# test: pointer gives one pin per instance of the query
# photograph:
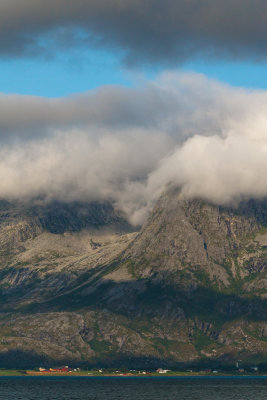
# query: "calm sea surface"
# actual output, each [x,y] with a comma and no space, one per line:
[163,388]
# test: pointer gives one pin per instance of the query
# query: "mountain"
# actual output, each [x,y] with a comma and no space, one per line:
[78,285]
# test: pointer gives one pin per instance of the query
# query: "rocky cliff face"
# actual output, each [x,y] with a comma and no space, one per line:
[78,285]
[224,243]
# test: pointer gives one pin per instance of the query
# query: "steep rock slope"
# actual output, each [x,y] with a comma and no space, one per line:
[225,244]
[190,287]
[44,248]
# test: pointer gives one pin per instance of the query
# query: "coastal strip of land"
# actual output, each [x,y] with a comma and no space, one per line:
[96,373]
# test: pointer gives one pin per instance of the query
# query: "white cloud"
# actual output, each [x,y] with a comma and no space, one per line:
[126,145]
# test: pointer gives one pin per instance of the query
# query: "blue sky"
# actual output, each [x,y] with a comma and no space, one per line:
[59,47]
[74,72]
[63,75]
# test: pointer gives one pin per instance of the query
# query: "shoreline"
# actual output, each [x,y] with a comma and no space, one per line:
[85,374]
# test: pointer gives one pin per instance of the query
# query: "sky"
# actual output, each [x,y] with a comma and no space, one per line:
[56,48]
[118,99]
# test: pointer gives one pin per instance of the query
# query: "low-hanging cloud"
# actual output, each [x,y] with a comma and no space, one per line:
[128,145]
[144,30]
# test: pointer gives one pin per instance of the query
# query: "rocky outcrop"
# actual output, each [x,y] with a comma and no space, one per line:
[196,237]
[77,285]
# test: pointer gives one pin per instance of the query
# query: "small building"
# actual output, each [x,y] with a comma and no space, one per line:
[60,369]
[162,371]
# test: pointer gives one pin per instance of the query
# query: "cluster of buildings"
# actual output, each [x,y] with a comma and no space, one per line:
[59,369]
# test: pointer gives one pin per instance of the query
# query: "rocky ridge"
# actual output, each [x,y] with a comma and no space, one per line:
[78,285]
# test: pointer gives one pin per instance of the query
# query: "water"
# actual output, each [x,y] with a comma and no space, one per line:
[163,388]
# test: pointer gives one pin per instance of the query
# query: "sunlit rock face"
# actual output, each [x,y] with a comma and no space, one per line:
[79,284]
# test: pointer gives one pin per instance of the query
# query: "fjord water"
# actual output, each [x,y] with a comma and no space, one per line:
[163,388]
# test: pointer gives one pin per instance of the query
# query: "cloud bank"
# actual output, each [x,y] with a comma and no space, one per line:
[128,145]
[144,30]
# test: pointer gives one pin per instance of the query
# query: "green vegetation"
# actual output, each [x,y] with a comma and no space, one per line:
[99,346]
[12,372]
[165,345]
[201,341]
